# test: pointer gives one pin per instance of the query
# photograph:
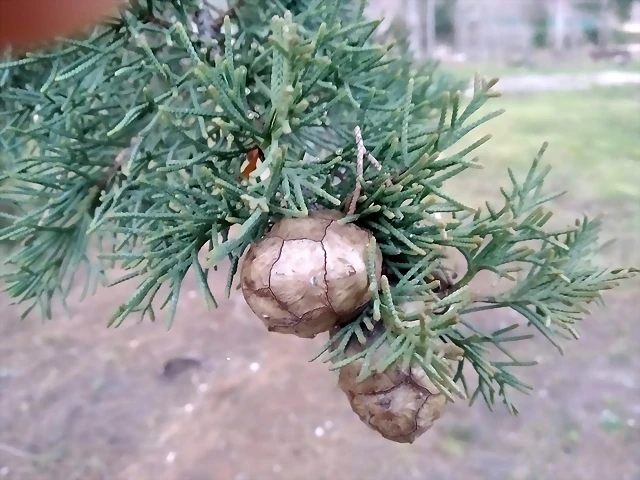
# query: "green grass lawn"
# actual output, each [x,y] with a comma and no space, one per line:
[594,142]
[468,69]
[594,152]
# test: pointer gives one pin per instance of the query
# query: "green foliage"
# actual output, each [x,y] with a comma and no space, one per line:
[5,206]
[445,20]
[623,8]
[541,27]
[133,141]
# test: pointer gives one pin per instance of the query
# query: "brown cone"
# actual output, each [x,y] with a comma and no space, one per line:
[399,404]
[308,274]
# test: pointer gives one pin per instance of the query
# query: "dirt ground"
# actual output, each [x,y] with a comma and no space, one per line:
[80,401]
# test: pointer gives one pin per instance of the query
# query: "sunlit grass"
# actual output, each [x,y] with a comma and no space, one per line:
[468,69]
[594,152]
[594,141]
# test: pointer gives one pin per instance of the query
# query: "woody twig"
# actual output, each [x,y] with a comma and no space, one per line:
[361,154]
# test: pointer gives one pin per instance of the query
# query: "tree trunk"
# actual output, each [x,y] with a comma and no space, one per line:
[604,35]
[560,14]
[427,12]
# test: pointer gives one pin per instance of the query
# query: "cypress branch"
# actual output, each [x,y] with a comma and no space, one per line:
[132,143]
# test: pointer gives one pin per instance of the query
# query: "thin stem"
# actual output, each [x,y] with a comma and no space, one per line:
[481,308]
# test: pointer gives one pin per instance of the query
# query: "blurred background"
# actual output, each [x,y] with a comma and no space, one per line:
[218,398]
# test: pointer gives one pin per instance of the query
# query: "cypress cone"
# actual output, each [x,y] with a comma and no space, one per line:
[308,274]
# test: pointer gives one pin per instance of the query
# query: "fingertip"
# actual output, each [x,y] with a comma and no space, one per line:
[26,24]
